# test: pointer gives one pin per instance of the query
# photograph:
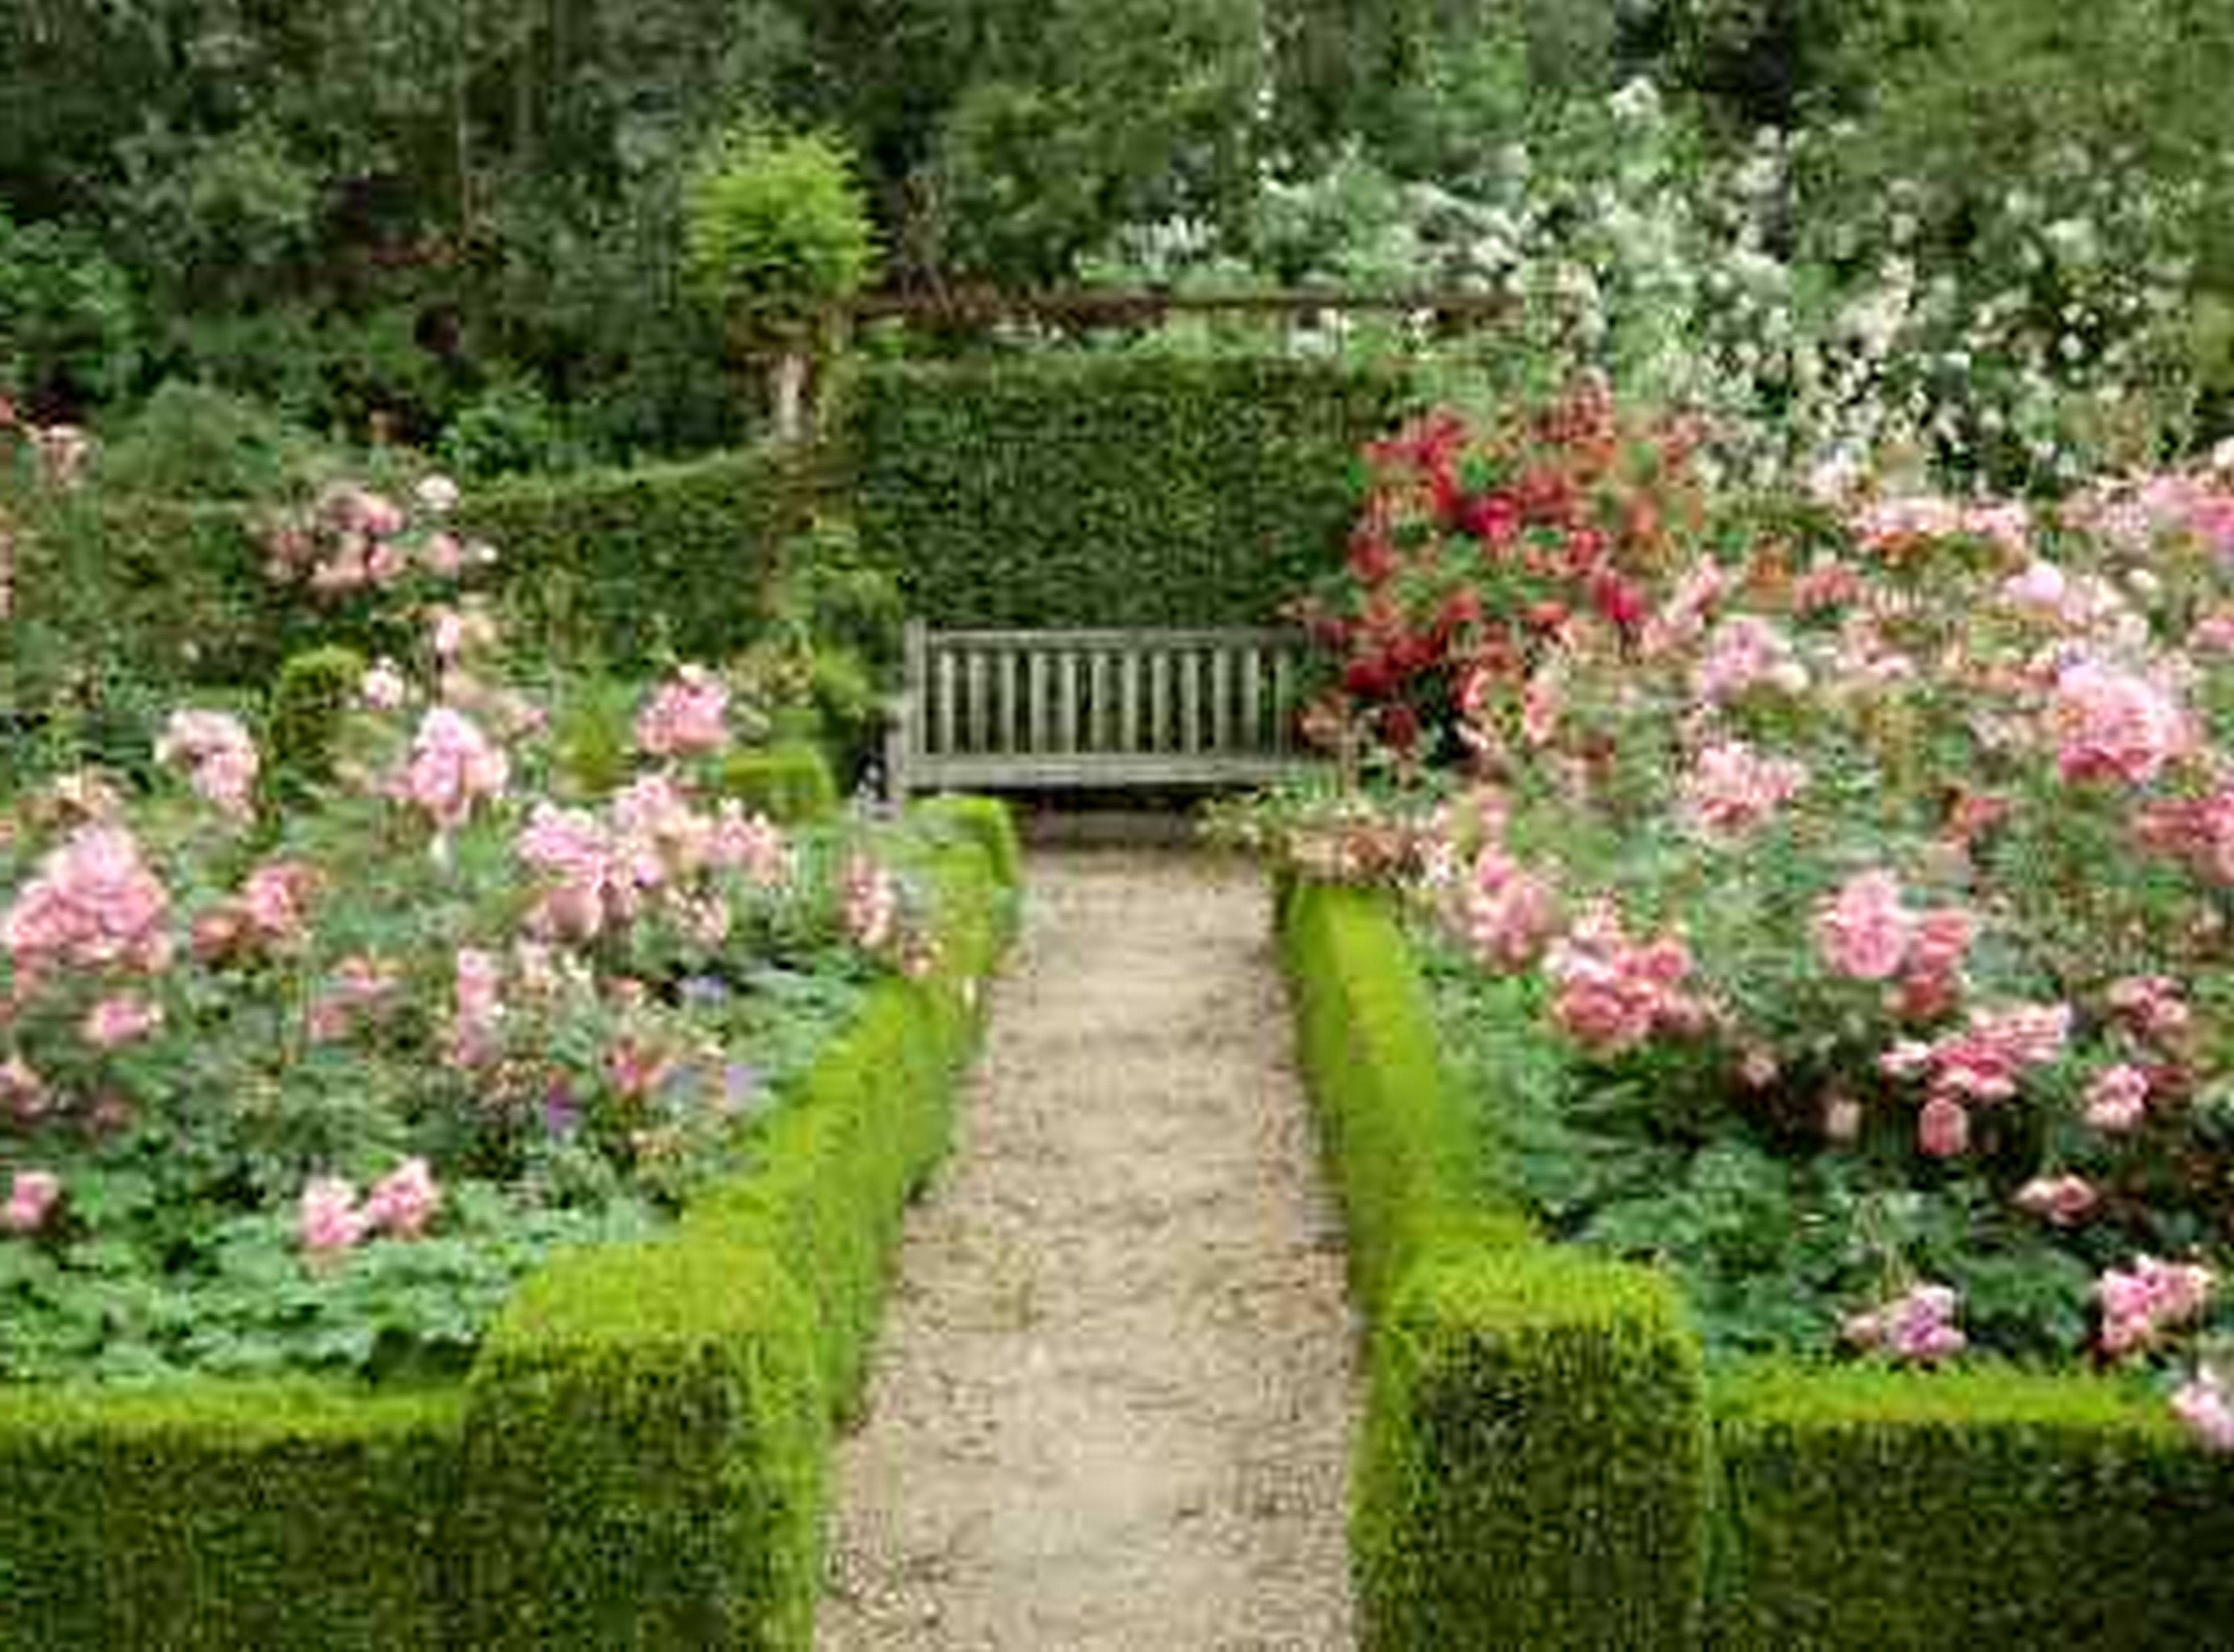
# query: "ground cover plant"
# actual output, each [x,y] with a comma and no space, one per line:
[1837,893]
[312,1045]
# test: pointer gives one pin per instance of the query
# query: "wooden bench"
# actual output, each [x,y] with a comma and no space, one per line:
[990,710]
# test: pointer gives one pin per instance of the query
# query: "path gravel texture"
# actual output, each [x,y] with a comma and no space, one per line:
[1114,1392]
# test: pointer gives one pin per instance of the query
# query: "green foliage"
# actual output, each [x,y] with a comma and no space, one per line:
[214,1517]
[651,1425]
[1098,113]
[786,783]
[2085,1519]
[508,428]
[776,230]
[630,567]
[1109,491]
[1533,1469]
[984,820]
[1539,1441]
[645,1457]
[315,690]
[195,441]
[69,322]
[1404,1155]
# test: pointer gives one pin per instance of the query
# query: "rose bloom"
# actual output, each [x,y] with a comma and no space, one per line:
[1864,932]
[31,1199]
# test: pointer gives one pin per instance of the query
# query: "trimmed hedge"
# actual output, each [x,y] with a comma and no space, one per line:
[636,1460]
[227,1516]
[1968,1509]
[1098,490]
[1541,1461]
[1532,1466]
[626,566]
[617,567]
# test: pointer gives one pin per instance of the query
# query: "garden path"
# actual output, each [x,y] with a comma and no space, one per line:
[1113,1393]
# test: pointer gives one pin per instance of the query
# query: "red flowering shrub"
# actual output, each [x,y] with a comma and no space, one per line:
[1475,548]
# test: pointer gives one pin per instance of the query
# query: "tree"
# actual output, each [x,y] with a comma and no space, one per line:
[775,236]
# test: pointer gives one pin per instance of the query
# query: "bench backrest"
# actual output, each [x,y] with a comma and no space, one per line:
[988,709]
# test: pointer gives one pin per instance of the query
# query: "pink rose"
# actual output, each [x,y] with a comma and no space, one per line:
[330,1221]
[31,1199]
[403,1201]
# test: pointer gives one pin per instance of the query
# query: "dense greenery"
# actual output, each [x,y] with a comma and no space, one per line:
[468,230]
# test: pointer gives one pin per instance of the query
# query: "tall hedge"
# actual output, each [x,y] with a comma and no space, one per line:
[628,563]
[1110,490]
[618,567]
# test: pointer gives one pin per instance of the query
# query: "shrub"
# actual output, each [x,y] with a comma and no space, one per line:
[633,568]
[645,1457]
[215,1518]
[315,691]
[1108,490]
[1863,1508]
[786,783]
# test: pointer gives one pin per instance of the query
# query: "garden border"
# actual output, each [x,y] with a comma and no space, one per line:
[1542,1462]
[637,1457]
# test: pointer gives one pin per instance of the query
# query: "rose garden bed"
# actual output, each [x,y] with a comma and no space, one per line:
[1548,1459]
[451,1169]
[1824,903]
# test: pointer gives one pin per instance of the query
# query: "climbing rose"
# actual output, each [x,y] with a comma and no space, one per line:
[2117,1098]
[2203,1404]
[2111,724]
[2139,1301]
[31,1199]
[2062,1200]
[219,757]
[1743,652]
[93,904]
[119,1018]
[572,849]
[275,898]
[1942,1127]
[382,687]
[1506,911]
[751,844]
[1732,789]
[479,1012]
[1611,994]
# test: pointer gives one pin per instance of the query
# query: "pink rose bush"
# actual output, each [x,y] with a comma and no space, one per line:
[393,1047]
[1891,852]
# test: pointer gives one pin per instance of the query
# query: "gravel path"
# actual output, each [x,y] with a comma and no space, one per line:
[1113,1394]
